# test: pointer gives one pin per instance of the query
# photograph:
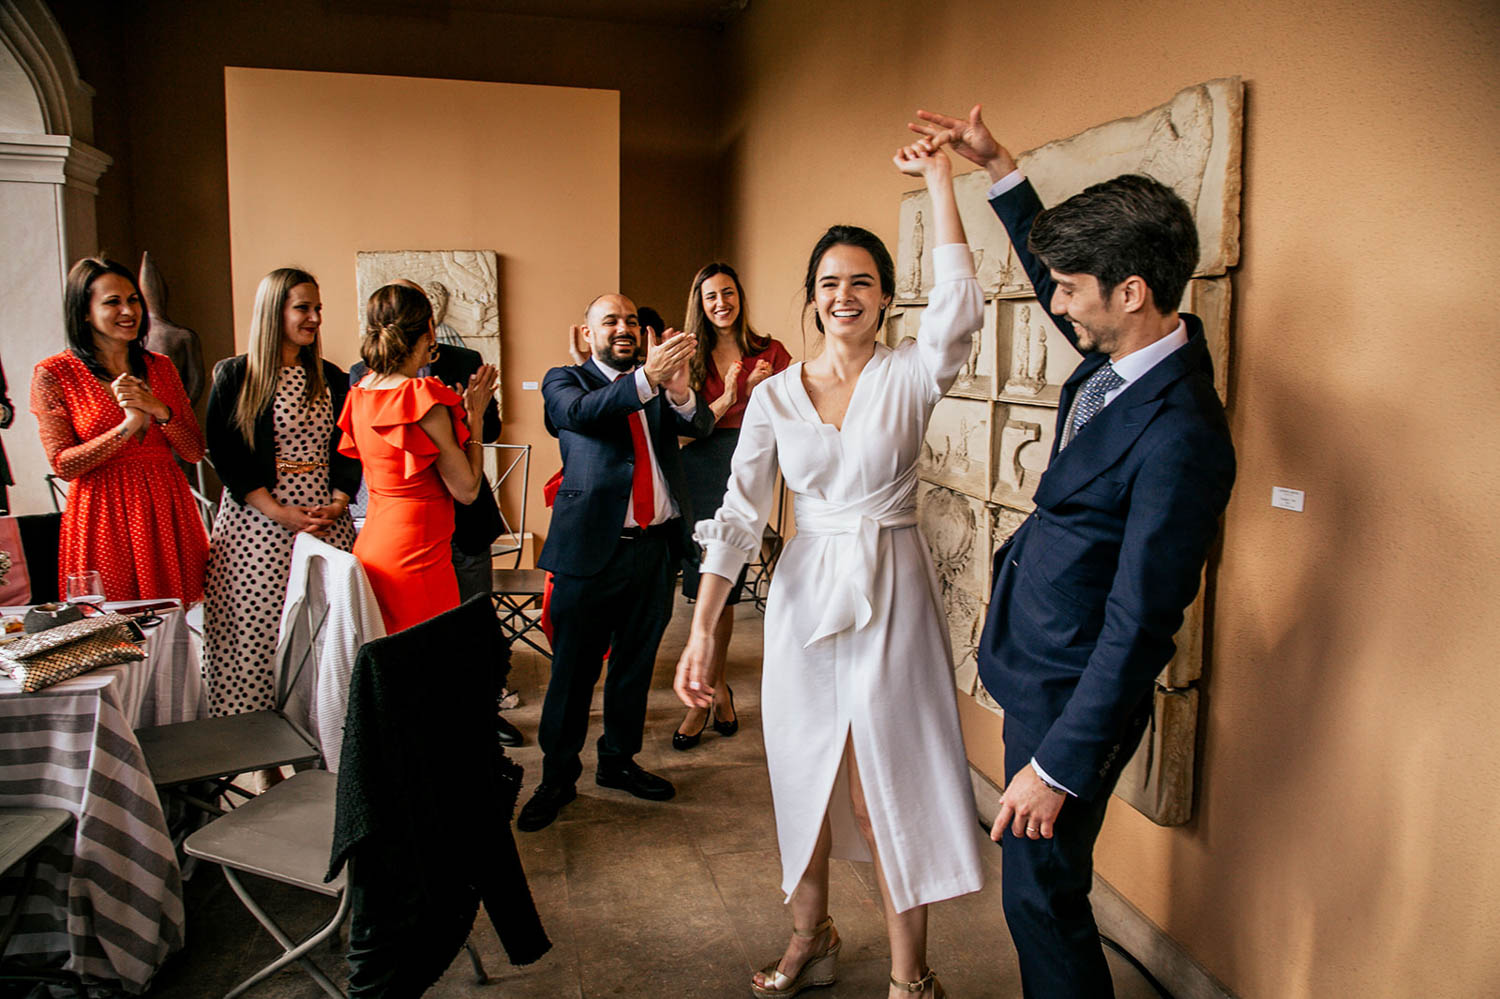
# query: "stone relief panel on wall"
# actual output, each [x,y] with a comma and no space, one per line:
[956,527]
[1191,143]
[463,286]
[956,450]
[1023,441]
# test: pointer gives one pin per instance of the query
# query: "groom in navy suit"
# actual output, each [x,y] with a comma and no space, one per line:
[620,525]
[1090,589]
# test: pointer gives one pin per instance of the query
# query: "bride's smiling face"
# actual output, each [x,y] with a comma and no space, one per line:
[847,293]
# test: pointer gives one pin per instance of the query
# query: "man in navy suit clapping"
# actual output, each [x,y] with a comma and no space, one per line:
[1089,591]
[620,524]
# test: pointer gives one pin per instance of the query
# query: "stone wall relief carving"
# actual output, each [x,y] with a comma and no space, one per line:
[463,284]
[956,527]
[1023,443]
[956,450]
[976,379]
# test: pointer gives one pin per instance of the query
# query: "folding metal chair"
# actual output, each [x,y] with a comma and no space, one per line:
[519,592]
[22,832]
[284,835]
[183,756]
[510,460]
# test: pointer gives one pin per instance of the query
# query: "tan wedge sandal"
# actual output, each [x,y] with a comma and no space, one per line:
[818,970]
[919,987]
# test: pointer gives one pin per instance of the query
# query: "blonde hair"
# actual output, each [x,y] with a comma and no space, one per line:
[263,358]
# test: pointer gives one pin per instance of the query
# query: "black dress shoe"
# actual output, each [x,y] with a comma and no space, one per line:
[544,805]
[727,728]
[508,734]
[629,777]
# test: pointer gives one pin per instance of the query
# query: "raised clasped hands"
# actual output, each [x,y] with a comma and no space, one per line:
[969,137]
[695,668]
[923,159]
[132,393]
[667,359]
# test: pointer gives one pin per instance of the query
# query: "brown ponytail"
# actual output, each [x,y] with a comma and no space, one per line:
[396,319]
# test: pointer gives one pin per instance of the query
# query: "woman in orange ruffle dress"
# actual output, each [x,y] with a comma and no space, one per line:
[419,442]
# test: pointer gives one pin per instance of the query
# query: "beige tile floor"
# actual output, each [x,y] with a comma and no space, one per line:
[674,899]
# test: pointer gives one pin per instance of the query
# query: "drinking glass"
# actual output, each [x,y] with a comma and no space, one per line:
[86,588]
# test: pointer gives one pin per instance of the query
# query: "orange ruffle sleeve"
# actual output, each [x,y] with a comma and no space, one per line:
[394,414]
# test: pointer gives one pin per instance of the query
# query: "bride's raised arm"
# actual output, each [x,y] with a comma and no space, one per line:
[955,306]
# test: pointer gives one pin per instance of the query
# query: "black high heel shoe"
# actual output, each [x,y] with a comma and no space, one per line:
[726,728]
[682,742]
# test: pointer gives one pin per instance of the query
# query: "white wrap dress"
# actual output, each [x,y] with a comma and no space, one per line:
[856,648]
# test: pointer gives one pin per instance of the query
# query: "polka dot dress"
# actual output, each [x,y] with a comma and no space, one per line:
[250,558]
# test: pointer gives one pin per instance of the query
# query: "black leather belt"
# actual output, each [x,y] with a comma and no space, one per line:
[665,529]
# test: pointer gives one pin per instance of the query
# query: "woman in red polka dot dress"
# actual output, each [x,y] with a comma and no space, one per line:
[111,414]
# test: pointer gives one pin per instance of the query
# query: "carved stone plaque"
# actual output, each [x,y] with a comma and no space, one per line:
[462,284]
[956,450]
[1209,299]
[1023,440]
[1191,143]
[1158,780]
[976,379]
[1035,357]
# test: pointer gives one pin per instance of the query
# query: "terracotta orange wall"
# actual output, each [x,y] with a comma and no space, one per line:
[158,67]
[1350,798]
[395,163]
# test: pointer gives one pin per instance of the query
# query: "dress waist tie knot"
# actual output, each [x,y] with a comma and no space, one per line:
[847,570]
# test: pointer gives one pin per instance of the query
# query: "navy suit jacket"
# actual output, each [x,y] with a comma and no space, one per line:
[589,416]
[1091,588]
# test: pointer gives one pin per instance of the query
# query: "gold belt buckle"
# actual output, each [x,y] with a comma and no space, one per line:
[299,467]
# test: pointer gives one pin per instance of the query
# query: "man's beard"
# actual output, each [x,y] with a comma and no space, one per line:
[622,364]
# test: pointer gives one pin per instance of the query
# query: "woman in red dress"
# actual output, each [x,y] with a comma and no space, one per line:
[111,414]
[420,453]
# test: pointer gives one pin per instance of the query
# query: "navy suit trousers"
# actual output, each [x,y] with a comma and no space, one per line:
[1045,883]
[624,609]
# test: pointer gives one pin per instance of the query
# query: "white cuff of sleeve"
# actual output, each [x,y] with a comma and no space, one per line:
[720,559]
[1009,182]
[952,262]
[1054,785]
[643,389]
[687,409]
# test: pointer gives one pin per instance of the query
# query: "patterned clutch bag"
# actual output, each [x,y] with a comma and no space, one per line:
[61,653]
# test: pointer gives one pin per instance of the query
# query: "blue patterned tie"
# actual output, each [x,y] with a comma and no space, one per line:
[1090,400]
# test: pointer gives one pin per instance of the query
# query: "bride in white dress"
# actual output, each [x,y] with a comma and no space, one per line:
[860,716]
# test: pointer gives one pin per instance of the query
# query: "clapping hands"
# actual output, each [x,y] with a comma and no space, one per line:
[667,360]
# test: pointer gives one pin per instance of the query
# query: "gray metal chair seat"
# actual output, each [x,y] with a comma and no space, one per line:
[283,835]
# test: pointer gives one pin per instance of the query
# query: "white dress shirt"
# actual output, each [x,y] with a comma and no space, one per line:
[665,508]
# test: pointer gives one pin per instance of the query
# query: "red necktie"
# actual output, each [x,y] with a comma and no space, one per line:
[642,492]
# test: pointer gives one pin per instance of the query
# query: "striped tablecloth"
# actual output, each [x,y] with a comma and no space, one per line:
[108,901]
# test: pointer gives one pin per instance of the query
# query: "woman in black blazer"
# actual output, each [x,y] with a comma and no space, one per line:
[273,441]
